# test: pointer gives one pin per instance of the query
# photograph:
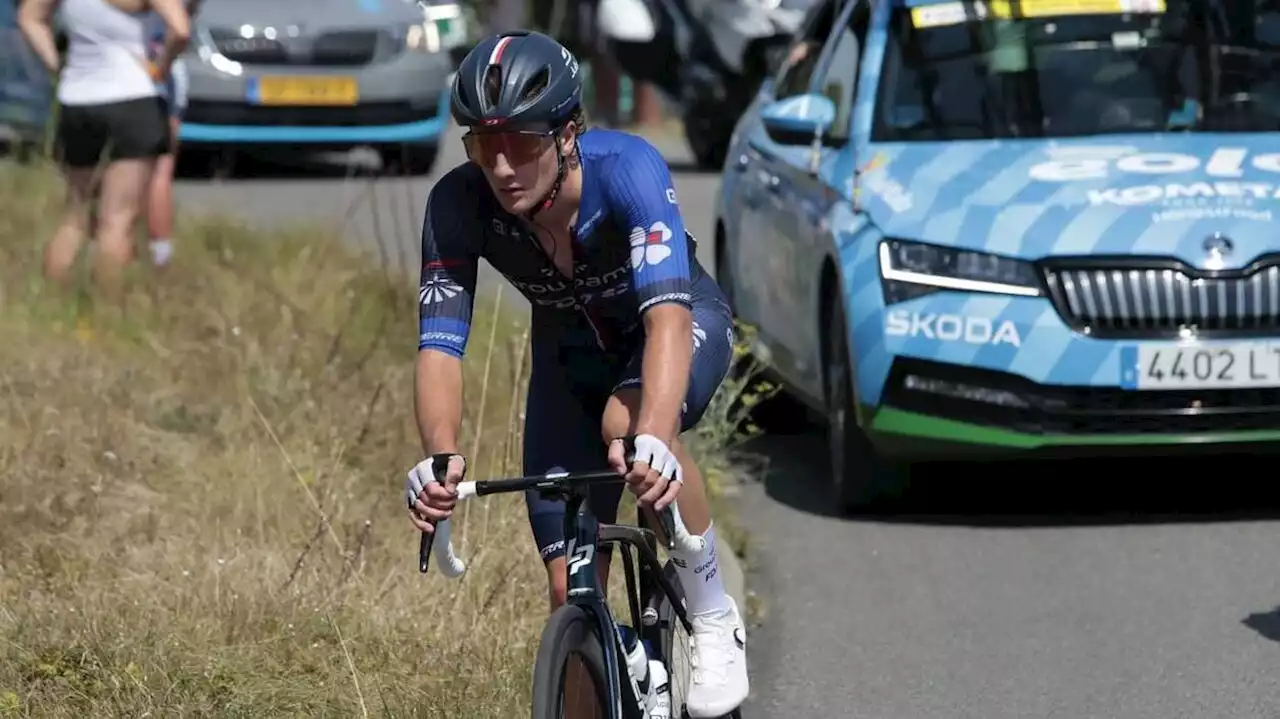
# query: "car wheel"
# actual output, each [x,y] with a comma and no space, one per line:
[860,477]
[410,159]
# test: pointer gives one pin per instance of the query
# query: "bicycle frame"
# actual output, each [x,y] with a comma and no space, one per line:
[585,534]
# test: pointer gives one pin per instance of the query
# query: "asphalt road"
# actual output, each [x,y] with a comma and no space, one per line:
[1095,590]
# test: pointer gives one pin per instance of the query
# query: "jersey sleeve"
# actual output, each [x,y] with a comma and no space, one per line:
[642,195]
[449,263]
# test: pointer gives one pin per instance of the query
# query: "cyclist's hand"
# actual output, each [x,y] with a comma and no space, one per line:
[655,476]
[430,501]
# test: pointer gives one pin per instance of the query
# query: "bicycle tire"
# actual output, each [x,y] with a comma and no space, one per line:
[570,631]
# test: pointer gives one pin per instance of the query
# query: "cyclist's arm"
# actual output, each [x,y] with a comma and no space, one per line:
[445,300]
[643,193]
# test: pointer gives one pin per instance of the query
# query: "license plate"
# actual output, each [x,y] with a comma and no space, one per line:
[1226,366]
[282,90]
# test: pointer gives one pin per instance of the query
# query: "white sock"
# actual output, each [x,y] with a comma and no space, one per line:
[700,576]
[161,251]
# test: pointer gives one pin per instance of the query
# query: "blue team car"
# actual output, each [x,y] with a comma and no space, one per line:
[994,229]
[332,74]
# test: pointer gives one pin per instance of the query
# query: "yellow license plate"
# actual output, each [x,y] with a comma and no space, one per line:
[276,90]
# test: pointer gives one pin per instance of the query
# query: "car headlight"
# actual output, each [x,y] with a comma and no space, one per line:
[911,269]
[443,27]
[422,37]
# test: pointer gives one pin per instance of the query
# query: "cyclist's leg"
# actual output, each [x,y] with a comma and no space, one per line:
[560,432]
[712,356]
[719,683]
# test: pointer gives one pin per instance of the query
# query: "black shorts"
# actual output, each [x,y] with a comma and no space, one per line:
[566,403]
[132,129]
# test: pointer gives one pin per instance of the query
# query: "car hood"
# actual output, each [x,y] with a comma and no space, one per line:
[308,14]
[1119,195]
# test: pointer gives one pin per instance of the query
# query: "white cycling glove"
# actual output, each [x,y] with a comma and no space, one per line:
[423,474]
[658,456]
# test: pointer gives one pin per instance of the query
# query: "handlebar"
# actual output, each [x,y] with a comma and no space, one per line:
[678,536]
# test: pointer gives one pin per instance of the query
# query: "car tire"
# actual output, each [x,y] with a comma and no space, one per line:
[410,159]
[861,478]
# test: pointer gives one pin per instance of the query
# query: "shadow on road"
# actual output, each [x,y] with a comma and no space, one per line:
[1087,492]
[1267,624]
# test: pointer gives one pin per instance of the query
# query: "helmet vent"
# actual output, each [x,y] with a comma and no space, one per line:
[492,86]
[535,87]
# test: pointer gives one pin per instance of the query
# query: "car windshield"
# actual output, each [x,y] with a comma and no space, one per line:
[1045,68]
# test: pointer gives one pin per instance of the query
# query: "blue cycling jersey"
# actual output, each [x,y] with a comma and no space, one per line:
[631,251]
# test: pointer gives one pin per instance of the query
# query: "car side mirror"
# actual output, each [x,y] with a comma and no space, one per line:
[800,120]
[797,120]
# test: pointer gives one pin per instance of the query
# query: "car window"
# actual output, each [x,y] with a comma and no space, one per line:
[840,81]
[801,60]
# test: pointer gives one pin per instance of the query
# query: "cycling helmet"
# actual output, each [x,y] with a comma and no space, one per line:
[519,77]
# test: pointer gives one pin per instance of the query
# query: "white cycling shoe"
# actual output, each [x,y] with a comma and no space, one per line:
[718,664]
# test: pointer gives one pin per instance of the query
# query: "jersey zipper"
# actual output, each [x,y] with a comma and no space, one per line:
[573,282]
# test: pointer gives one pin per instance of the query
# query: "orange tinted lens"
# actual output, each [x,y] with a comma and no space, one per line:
[517,147]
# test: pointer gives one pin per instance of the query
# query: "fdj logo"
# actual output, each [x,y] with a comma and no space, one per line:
[951,328]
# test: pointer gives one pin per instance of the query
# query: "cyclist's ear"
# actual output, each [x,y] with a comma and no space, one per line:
[568,138]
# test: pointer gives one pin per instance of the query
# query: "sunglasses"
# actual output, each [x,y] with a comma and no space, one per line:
[518,146]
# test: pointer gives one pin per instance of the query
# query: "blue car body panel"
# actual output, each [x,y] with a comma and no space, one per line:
[26,92]
[1144,195]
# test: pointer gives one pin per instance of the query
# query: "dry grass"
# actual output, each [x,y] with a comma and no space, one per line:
[200,499]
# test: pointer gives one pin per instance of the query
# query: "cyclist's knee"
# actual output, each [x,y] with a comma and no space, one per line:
[557,582]
[620,412]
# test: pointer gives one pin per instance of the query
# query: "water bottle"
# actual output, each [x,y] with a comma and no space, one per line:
[650,674]
[658,703]
[637,657]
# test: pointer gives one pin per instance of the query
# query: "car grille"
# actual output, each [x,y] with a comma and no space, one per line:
[372,113]
[1129,300]
[338,48]
[1000,399]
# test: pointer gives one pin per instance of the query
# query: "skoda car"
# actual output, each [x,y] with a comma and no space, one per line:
[330,74]
[994,229]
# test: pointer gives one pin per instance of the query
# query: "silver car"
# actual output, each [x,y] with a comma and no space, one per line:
[322,74]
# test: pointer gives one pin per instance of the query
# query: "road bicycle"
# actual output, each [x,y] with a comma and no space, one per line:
[584,627]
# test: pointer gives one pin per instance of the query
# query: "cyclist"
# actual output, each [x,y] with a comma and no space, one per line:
[631,338]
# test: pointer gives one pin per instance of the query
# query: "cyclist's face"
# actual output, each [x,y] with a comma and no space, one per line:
[520,165]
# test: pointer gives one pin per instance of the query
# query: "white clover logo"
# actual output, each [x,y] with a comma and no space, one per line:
[649,247]
[438,289]
[699,336]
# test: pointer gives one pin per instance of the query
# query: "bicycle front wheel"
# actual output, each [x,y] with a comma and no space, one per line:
[569,674]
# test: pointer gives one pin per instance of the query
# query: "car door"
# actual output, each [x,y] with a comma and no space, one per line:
[25,89]
[808,192]
[762,259]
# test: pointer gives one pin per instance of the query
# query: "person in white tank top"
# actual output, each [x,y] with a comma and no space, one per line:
[111,111]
